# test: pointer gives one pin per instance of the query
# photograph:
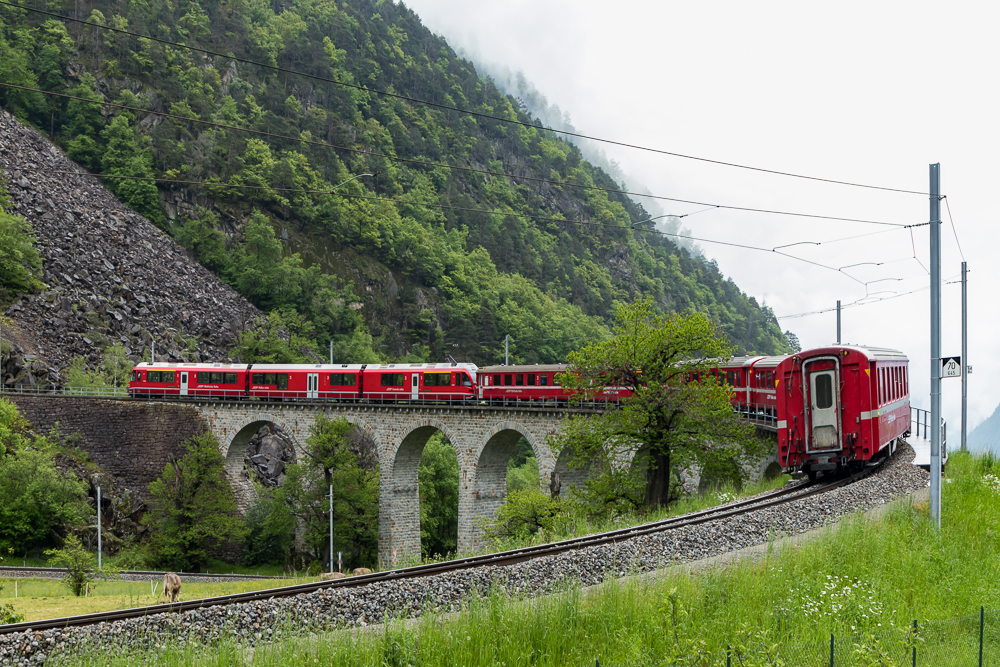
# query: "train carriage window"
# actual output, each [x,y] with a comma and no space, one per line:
[508,379]
[543,379]
[342,379]
[531,379]
[160,376]
[392,379]
[770,380]
[519,379]
[229,378]
[466,380]
[282,381]
[824,392]
[437,379]
[496,380]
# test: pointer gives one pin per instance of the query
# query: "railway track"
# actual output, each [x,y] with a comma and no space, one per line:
[48,572]
[772,499]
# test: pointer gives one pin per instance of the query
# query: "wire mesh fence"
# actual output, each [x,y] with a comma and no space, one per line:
[963,641]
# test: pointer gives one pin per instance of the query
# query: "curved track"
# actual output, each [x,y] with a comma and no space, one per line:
[774,498]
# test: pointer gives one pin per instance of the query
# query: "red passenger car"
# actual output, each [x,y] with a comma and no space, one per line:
[414,382]
[166,379]
[510,384]
[841,406]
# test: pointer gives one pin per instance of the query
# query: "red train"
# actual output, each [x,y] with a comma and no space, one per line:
[344,382]
[833,407]
[841,406]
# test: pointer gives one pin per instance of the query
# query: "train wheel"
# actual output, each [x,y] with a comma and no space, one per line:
[812,475]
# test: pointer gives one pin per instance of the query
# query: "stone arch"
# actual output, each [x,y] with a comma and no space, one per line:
[573,468]
[399,491]
[488,487]
[234,451]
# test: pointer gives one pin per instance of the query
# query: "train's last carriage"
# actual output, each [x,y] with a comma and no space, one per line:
[510,384]
[841,406]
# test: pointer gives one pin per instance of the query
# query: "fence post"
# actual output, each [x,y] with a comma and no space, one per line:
[729,656]
[831,649]
[982,618]
[914,642]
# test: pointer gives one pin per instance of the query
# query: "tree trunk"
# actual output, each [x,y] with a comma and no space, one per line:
[658,480]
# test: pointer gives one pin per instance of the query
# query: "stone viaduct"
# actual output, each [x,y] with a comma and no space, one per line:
[484,438]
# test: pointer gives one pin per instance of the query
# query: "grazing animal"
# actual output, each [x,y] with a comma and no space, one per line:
[171,587]
[360,570]
[332,575]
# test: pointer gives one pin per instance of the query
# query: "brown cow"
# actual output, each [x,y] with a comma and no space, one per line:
[171,587]
[360,570]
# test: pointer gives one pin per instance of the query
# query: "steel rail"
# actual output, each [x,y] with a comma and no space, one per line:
[142,573]
[511,557]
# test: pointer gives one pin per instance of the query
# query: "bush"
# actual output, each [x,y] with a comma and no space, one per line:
[19,261]
[79,564]
[525,512]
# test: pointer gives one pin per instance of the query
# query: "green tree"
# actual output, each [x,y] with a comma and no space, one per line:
[671,418]
[284,337]
[208,243]
[331,461]
[13,428]
[438,481]
[128,155]
[79,564]
[192,510]
[37,500]
[20,264]
[270,528]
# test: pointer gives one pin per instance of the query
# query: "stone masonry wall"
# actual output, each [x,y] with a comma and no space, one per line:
[130,440]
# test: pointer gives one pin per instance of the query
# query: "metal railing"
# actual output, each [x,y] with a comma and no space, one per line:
[921,420]
[298,396]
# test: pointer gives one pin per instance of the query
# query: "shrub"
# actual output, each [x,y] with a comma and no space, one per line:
[79,564]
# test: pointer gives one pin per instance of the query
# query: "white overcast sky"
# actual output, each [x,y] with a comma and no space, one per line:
[856,91]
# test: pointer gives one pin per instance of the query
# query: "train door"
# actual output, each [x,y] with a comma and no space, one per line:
[312,385]
[415,387]
[184,383]
[823,403]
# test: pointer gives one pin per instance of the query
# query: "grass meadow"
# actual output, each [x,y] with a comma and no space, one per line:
[862,581]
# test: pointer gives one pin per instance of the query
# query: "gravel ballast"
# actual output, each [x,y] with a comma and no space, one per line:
[261,621]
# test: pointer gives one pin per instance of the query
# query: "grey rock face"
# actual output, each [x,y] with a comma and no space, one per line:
[112,276]
[269,452]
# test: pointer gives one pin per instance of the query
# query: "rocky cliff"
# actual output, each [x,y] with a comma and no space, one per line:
[111,275]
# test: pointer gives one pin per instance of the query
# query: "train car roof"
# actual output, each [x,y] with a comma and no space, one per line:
[869,351]
[419,367]
[768,362]
[537,368]
[193,366]
[306,367]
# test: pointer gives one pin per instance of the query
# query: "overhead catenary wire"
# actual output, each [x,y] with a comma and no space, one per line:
[953,230]
[443,207]
[455,109]
[369,153]
[863,301]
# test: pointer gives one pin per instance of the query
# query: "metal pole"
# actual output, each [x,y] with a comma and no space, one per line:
[331,528]
[965,354]
[506,350]
[98,528]
[935,225]
[982,618]
[838,322]
[152,352]
[914,642]
[831,649]
[331,353]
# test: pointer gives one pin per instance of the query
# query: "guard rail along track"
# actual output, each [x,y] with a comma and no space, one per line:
[781,496]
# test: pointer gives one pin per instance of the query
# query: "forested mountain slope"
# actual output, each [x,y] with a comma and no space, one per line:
[419,255]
